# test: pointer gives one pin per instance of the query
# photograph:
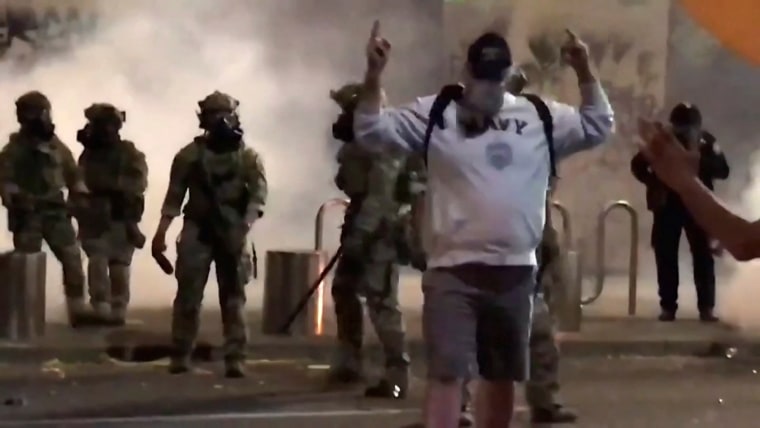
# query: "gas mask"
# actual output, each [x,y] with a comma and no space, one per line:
[343,128]
[224,129]
[36,123]
[98,133]
[689,136]
[484,97]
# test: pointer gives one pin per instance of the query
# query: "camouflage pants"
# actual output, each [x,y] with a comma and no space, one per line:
[193,266]
[109,256]
[56,229]
[543,385]
[377,282]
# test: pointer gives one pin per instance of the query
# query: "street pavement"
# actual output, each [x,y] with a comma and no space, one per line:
[624,392]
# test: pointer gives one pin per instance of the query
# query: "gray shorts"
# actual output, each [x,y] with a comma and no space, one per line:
[477,315]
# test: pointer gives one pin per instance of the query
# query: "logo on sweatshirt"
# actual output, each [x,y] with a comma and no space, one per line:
[499,155]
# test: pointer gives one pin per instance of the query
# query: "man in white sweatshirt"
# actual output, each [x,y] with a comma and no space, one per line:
[489,163]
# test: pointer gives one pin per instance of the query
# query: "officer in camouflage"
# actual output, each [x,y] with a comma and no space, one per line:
[379,188]
[116,174]
[227,192]
[542,387]
[35,168]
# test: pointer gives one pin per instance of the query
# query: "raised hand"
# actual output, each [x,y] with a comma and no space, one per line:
[378,50]
[574,52]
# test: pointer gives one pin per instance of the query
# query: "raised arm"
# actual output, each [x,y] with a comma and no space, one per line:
[586,127]
[375,126]
[402,128]
[592,122]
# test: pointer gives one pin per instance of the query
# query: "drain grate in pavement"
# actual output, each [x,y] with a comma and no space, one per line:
[145,353]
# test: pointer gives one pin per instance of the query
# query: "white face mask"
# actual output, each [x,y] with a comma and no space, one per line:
[485,97]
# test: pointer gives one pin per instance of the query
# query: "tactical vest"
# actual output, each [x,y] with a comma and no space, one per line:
[217,186]
[38,167]
[102,168]
[354,164]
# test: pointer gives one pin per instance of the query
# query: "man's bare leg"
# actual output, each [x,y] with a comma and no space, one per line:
[443,401]
[494,404]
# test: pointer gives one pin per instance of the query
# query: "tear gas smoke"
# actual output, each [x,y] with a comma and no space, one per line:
[156,60]
[739,303]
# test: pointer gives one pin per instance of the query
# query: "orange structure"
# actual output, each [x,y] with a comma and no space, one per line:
[732,22]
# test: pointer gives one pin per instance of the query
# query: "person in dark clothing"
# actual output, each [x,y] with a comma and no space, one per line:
[671,216]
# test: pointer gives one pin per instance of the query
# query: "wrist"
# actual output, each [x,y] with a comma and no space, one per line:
[372,80]
[584,74]
[687,185]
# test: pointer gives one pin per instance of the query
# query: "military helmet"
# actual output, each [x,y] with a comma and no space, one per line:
[105,112]
[218,101]
[347,96]
[685,114]
[33,100]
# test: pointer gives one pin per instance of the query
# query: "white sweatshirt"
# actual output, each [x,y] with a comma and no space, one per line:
[486,195]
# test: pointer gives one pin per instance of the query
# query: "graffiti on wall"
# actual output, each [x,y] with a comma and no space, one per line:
[28,27]
[614,55]
[627,42]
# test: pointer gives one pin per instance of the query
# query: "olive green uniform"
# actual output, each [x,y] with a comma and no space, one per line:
[215,230]
[33,177]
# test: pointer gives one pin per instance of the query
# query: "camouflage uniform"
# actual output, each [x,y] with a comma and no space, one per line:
[542,387]
[368,267]
[227,191]
[116,174]
[35,167]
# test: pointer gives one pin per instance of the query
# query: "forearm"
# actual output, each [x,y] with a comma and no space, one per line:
[371,97]
[596,115]
[734,232]
[587,126]
[163,225]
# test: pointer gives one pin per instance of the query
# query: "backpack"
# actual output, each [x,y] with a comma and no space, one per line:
[451,93]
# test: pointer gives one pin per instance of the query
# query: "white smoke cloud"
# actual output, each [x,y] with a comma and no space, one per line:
[738,305]
[156,60]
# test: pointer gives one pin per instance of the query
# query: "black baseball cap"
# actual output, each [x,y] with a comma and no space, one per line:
[489,57]
[685,114]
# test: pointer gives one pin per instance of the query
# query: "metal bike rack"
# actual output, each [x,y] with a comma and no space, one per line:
[567,232]
[633,261]
[319,221]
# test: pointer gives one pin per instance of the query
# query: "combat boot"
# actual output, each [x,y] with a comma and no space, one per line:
[102,311]
[179,364]
[347,368]
[118,315]
[233,369]
[554,414]
[76,310]
[394,385]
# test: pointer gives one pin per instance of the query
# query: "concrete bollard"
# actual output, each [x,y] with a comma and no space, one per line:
[22,296]
[289,275]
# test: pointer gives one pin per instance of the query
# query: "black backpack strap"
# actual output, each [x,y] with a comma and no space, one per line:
[546,117]
[448,94]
